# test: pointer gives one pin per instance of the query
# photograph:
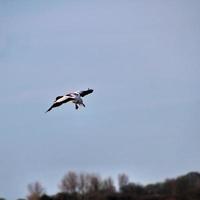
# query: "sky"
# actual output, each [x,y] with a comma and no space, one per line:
[142,58]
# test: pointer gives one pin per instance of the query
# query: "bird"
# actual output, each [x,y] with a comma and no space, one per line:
[74,97]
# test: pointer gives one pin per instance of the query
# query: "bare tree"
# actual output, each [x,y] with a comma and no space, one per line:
[69,183]
[95,182]
[123,180]
[88,182]
[108,185]
[35,191]
[83,182]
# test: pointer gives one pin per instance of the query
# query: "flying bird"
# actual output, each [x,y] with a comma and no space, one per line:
[74,97]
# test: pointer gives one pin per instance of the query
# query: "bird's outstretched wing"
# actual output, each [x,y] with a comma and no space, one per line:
[53,106]
[59,101]
[58,97]
[85,92]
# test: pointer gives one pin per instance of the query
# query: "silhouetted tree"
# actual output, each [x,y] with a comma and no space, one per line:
[95,183]
[83,183]
[108,185]
[87,186]
[123,180]
[35,191]
[169,187]
[69,183]
[45,197]
[134,189]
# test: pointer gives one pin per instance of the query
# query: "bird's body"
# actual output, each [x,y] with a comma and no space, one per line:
[74,97]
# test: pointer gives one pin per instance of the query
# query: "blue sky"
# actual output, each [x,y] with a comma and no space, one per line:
[141,58]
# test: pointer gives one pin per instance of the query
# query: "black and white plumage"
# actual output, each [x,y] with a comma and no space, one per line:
[74,97]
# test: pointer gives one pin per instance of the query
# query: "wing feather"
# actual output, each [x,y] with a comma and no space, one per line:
[58,97]
[64,99]
[85,92]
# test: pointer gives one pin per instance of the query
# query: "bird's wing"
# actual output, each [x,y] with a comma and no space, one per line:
[85,92]
[58,97]
[55,104]
[59,101]
[63,99]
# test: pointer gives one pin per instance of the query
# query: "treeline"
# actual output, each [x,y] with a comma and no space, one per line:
[87,186]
